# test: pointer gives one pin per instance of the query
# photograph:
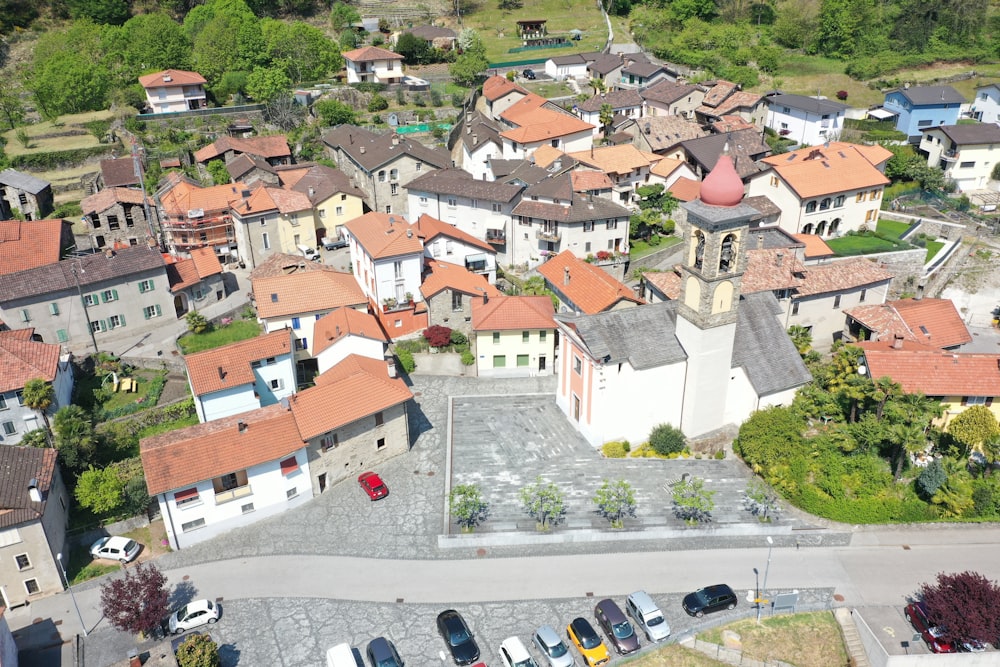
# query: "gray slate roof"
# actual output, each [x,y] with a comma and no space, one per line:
[458,182]
[929,95]
[430,32]
[667,92]
[618,99]
[971,134]
[605,64]
[371,150]
[90,270]
[325,182]
[745,147]
[582,209]
[559,186]
[643,336]
[807,104]
[762,347]
[18,466]
[26,182]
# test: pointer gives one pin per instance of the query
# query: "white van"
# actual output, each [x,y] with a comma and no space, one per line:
[647,616]
[342,655]
[309,252]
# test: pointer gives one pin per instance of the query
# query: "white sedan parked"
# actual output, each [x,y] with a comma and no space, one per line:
[192,615]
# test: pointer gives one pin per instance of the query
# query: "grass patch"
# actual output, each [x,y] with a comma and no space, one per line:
[231,333]
[639,248]
[85,385]
[933,248]
[805,75]
[674,656]
[553,89]
[863,244]
[172,425]
[891,228]
[806,640]
[65,127]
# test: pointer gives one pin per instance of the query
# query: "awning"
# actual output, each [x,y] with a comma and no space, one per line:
[881,114]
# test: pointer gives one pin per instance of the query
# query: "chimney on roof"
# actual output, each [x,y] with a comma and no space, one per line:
[897,342]
[409,233]
[361,149]
[33,493]
[390,364]
[557,165]
[150,242]
[337,331]
[760,241]
[920,292]
[395,140]
[312,192]
[222,373]
[486,300]
[109,252]
[647,128]
[954,359]
[242,426]
[779,257]
[167,78]
[566,276]
[468,129]
[285,403]
[475,140]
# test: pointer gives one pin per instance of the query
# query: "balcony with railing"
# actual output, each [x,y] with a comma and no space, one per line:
[949,155]
[222,497]
[496,236]
[548,234]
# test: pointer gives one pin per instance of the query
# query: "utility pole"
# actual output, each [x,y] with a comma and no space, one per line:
[79,291]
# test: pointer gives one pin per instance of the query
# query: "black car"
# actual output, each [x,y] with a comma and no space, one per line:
[457,636]
[528,74]
[382,653]
[619,631]
[709,599]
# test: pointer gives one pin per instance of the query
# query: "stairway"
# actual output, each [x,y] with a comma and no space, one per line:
[852,640]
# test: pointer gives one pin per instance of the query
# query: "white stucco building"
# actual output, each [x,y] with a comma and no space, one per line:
[387,256]
[807,120]
[966,153]
[374,64]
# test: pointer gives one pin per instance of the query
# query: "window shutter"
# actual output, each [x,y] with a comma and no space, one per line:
[145,313]
[54,308]
[104,325]
[25,317]
[150,285]
[114,294]
[289,465]
[158,311]
[62,336]
[121,318]
[104,297]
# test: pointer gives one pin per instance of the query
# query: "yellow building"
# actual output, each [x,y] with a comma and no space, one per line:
[514,336]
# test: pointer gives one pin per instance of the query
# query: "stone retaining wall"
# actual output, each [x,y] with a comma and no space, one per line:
[906,266]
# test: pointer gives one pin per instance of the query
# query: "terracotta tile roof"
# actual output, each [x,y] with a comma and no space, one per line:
[933,322]
[206,261]
[685,189]
[429,228]
[229,366]
[119,171]
[730,123]
[18,466]
[181,274]
[22,360]
[816,171]
[507,313]
[526,105]
[444,275]
[543,125]
[816,247]
[345,322]
[108,197]
[29,244]
[590,289]
[738,100]
[546,155]
[275,146]
[355,388]
[182,197]
[184,457]
[616,159]
[585,180]
[282,264]
[665,132]
[718,92]
[289,201]
[666,166]
[307,292]
[667,282]
[496,87]
[178,77]
[837,276]
[934,372]
[667,92]
[770,269]
[370,53]
[384,235]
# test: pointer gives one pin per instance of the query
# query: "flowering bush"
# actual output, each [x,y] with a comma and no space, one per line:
[437,336]
[603,255]
[841,95]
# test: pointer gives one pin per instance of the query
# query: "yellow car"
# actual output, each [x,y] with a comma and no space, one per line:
[587,642]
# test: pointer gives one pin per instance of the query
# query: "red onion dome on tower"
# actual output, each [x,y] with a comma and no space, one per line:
[722,186]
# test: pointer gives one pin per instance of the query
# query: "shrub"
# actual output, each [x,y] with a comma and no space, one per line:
[614,450]
[406,360]
[377,103]
[437,335]
[841,95]
[721,454]
[458,338]
[666,440]
[468,358]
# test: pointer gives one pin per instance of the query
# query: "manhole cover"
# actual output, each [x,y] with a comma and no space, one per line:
[480,552]
[418,393]
[838,597]
[430,473]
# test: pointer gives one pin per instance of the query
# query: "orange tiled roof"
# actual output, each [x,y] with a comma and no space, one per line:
[770,269]
[621,159]
[934,322]
[586,180]
[543,125]
[666,282]
[355,388]
[546,155]
[370,53]
[837,276]
[29,244]
[444,275]
[184,196]
[428,228]
[527,104]
[506,313]
[181,274]
[496,87]
[590,289]
[272,199]
[821,170]
[24,359]
[384,235]
[266,147]
[178,77]
[737,100]
[229,366]
[815,246]
[307,292]
[666,166]
[184,457]
[934,372]
[685,189]
[283,264]
[206,261]
[345,322]
[108,197]
[731,123]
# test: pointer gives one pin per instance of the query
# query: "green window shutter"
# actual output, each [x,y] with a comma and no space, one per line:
[121,318]
[158,311]
[104,325]
[114,294]
[142,287]
[62,336]
[104,297]
[145,313]
[54,308]
[150,284]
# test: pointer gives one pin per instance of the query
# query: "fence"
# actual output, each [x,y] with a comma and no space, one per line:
[517,63]
[243,108]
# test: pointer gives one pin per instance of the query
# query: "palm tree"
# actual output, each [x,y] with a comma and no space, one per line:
[39,396]
[909,438]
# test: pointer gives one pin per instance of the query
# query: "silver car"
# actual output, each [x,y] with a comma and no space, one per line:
[552,647]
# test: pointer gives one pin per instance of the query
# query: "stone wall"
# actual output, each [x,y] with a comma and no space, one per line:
[906,266]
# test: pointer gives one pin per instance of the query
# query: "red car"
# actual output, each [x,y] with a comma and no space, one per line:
[373,485]
[934,636]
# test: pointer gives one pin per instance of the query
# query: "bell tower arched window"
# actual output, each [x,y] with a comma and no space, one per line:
[699,250]
[727,254]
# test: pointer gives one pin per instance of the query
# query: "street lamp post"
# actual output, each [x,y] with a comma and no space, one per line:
[770,546]
[756,590]
[71,594]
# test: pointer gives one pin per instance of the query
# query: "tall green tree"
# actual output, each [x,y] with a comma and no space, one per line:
[303,51]
[974,426]
[469,66]
[148,43]
[108,12]
[69,71]
[99,490]
[334,112]
[954,497]
[607,116]
[11,104]
[266,84]
[415,50]
[343,15]
[74,438]
[466,504]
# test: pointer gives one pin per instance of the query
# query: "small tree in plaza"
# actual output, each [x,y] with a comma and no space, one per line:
[615,501]
[760,500]
[198,651]
[137,602]
[544,502]
[692,501]
[466,504]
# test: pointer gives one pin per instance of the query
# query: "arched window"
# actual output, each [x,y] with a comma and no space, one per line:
[834,226]
[811,207]
[839,201]
[381,176]
[727,256]
[699,250]
[825,204]
[394,175]
[821,228]
[807,229]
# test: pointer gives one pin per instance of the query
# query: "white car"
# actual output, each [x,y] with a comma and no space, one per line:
[552,647]
[121,549]
[514,654]
[192,615]
[647,616]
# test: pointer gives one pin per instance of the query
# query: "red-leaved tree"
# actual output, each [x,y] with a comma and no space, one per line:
[437,335]
[965,605]
[137,602]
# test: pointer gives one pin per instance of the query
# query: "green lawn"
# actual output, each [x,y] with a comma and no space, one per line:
[639,248]
[237,331]
[86,384]
[891,228]
[862,245]
[933,248]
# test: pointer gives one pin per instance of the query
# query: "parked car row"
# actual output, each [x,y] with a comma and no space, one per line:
[620,633]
